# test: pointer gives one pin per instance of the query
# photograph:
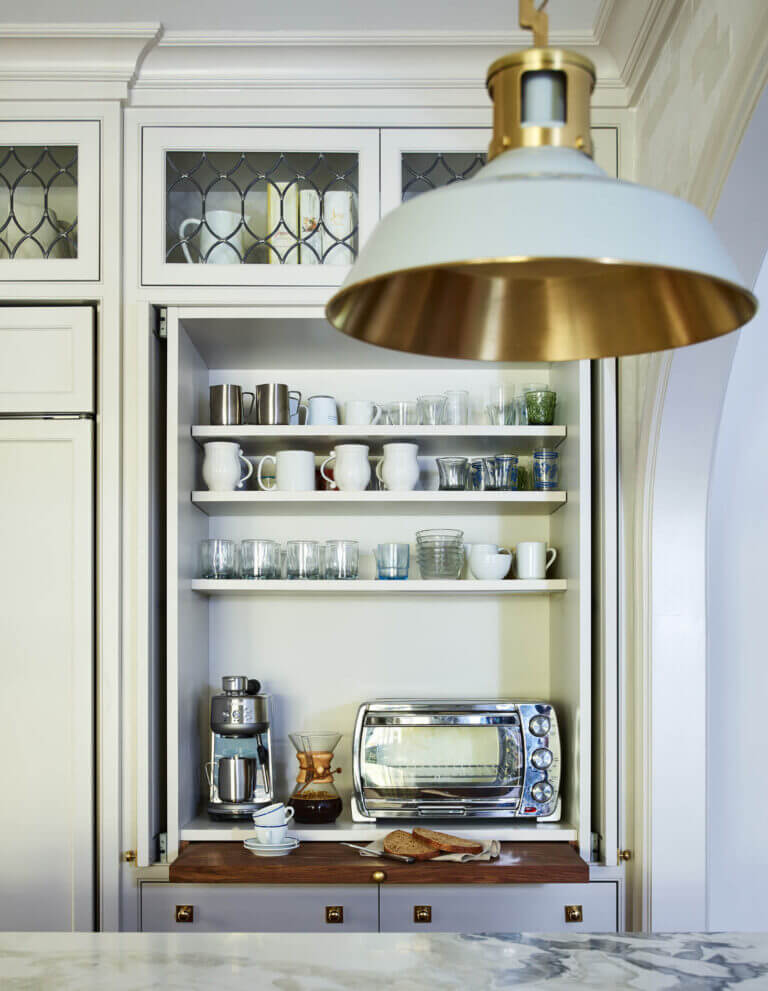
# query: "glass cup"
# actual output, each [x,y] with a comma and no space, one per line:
[302,559]
[540,406]
[524,473]
[452,473]
[500,406]
[482,474]
[218,558]
[431,409]
[259,559]
[402,414]
[520,404]
[546,469]
[392,561]
[506,472]
[341,558]
[456,411]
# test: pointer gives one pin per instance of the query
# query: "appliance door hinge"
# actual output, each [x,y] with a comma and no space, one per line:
[162,847]
[595,847]
[161,322]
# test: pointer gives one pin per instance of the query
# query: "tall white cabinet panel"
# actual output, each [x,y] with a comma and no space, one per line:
[249,206]
[46,706]
[49,200]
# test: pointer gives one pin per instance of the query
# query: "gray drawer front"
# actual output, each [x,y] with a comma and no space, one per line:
[499,908]
[258,908]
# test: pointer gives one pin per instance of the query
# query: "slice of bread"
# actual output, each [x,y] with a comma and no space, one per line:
[406,845]
[446,843]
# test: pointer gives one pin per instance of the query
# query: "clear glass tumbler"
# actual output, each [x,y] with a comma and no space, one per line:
[218,558]
[506,472]
[403,413]
[393,561]
[431,409]
[500,406]
[341,559]
[302,559]
[540,406]
[452,473]
[259,559]
[482,474]
[456,410]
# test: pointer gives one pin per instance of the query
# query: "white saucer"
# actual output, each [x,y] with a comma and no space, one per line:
[270,849]
[290,844]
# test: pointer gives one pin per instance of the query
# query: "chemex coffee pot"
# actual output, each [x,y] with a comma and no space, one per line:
[315,798]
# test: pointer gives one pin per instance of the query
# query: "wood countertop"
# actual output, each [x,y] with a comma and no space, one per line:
[332,863]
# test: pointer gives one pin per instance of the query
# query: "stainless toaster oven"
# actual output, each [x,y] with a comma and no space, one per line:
[443,758]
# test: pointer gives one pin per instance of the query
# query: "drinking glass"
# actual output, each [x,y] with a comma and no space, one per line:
[341,559]
[392,561]
[546,469]
[540,405]
[431,409]
[506,471]
[303,559]
[452,473]
[218,559]
[482,474]
[520,403]
[500,406]
[402,414]
[456,410]
[259,559]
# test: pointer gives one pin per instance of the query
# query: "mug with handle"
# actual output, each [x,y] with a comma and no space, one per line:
[220,235]
[362,412]
[294,471]
[534,559]
[321,411]
[352,472]
[221,466]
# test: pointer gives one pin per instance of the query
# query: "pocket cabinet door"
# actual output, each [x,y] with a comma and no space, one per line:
[242,206]
[49,201]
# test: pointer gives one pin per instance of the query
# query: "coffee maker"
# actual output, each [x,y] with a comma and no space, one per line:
[239,771]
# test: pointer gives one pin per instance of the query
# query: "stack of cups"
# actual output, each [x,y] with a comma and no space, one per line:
[441,553]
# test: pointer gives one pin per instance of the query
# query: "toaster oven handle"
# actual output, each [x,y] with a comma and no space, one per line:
[435,811]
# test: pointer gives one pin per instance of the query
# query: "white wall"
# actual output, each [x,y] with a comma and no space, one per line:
[738,659]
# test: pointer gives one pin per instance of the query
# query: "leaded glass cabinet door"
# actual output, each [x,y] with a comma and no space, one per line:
[240,206]
[415,160]
[49,201]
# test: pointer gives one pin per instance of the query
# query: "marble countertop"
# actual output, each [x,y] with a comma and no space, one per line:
[397,962]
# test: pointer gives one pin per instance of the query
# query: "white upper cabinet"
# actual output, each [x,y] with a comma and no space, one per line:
[253,206]
[49,201]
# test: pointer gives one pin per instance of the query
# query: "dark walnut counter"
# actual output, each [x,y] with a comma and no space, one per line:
[332,863]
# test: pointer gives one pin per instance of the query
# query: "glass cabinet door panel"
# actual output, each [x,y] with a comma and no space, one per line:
[48,229]
[256,206]
[422,171]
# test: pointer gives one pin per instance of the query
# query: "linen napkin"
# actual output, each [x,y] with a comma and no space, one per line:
[491,850]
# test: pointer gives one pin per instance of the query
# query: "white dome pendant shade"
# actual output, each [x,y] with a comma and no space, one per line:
[541,256]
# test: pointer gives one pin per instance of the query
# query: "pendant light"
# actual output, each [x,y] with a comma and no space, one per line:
[541,256]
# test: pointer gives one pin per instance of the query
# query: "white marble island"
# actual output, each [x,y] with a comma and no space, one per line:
[136,962]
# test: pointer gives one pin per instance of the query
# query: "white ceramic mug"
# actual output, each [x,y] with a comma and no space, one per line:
[270,834]
[322,411]
[489,562]
[294,471]
[352,472]
[399,468]
[361,412]
[218,224]
[221,466]
[276,814]
[534,559]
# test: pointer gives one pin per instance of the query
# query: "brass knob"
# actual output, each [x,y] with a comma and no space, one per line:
[334,914]
[422,913]
[185,913]
[625,854]
[378,877]
[573,913]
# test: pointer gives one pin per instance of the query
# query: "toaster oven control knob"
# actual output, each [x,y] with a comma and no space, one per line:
[541,758]
[542,792]
[539,725]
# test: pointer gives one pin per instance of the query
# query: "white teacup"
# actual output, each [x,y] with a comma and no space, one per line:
[220,237]
[276,814]
[361,412]
[489,562]
[271,834]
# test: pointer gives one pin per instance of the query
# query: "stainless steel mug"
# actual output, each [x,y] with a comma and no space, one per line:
[227,405]
[273,404]
[237,778]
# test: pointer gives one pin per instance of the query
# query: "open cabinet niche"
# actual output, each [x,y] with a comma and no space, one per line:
[322,654]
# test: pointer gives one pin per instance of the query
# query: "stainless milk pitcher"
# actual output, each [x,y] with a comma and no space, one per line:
[273,404]
[227,405]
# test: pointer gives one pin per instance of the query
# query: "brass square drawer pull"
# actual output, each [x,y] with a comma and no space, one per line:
[422,913]
[185,913]
[334,914]
[573,913]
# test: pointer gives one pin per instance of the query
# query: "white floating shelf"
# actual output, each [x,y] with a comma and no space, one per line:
[255,503]
[344,829]
[473,439]
[363,586]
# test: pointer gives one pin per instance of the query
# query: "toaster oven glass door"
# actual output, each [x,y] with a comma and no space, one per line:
[412,765]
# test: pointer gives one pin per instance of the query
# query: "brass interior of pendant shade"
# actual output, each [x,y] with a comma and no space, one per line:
[544,309]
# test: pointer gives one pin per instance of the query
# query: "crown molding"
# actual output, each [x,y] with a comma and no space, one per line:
[636,55]
[602,19]
[370,39]
[148,31]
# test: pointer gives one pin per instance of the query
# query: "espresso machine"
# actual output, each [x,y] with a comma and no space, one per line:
[239,771]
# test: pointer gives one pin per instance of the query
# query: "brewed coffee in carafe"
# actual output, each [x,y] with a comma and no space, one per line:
[315,798]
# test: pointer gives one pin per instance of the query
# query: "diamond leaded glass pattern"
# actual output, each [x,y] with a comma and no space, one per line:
[423,171]
[38,201]
[258,208]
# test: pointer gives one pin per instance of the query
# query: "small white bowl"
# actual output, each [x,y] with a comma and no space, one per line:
[490,567]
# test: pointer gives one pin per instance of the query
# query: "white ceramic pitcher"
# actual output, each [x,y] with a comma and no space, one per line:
[221,466]
[398,470]
[352,472]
